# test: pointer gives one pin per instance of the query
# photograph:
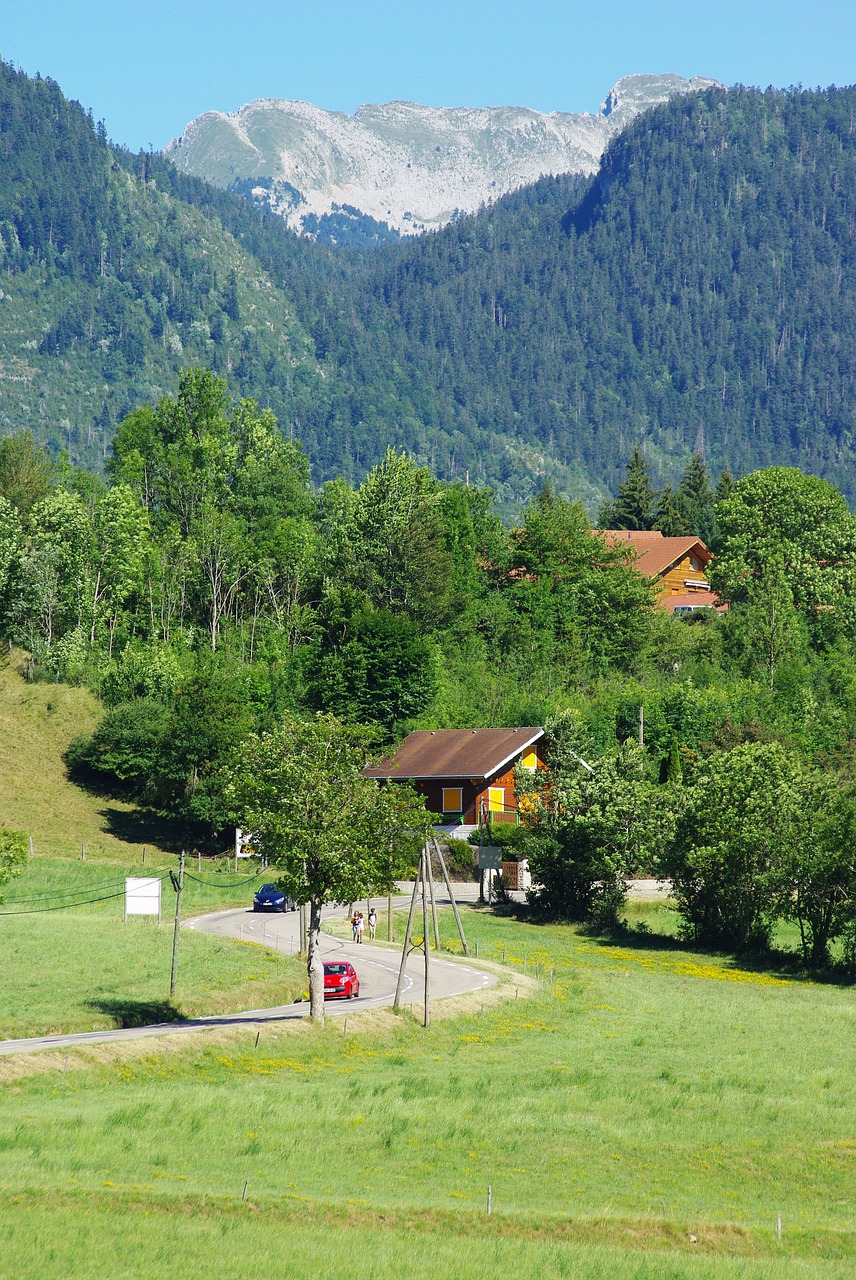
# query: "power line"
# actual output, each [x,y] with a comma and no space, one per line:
[107,897]
[236,884]
[69,906]
[73,893]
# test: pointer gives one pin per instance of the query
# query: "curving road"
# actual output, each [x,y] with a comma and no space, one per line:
[377,966]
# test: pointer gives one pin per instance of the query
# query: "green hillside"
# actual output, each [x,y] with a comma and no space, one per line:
[699,293]
[111,284]
[37,722]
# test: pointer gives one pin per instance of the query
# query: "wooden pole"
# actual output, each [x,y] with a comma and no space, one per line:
[173,977]
[451,895]
[426,1019]
[433,895]
[407,933]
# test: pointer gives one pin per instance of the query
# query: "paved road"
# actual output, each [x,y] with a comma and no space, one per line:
[377,967]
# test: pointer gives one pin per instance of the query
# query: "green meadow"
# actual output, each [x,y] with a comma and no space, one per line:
[647,1113]
[80,968]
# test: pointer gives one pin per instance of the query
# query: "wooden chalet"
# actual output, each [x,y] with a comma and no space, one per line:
[676,566]
[460,770]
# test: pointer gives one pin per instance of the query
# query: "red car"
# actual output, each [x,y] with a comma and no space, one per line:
[340,979]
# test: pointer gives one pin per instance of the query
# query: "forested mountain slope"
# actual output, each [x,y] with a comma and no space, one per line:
[112,282]
[698,292]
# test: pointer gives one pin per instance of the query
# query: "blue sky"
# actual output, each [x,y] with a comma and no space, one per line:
[148,68]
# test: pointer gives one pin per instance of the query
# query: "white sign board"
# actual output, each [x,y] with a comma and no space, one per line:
[142,896]
[243,844]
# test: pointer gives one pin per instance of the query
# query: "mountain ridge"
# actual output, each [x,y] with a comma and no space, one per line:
[405,167]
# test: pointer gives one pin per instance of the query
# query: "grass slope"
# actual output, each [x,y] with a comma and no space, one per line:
[37,722]
[646,1115]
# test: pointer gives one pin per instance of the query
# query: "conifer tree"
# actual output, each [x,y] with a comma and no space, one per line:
[694,500]
[634,504]
[668,517]
[725,487]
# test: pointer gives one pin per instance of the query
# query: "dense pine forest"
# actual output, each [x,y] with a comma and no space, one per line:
[696,295]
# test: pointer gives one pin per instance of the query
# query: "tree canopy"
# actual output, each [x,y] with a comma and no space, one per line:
[332,834]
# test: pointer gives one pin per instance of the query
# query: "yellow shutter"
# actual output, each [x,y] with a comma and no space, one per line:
[453,799]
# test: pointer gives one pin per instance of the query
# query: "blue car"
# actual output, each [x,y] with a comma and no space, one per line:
[271,898]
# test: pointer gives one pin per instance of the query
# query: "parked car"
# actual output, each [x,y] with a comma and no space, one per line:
[271,898]
[340,979]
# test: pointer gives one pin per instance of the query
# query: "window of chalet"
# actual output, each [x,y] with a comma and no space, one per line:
[453,799]
[530,760]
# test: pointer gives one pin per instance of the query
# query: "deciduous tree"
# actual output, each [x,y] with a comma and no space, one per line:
[327,830]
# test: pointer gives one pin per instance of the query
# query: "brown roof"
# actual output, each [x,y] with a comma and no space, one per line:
[455,753]
[654,552]
[694,599]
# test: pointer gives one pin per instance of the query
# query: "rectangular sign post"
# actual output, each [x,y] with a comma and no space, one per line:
[490,860]
[243,845]
[490,857]
[142,896]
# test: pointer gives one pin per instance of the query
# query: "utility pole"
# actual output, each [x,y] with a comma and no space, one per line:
[405,950]
[426,1017]
[178,885]
[444,869]
[430,872]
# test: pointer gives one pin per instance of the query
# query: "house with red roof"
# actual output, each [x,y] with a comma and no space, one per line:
[464,772]
[676,566]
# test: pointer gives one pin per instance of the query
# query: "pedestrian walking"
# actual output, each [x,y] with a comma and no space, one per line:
[355,925]
[361,925]
[372,924]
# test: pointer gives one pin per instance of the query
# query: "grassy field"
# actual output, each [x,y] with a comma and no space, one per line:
[646,1115]
[81,968]
[37,722]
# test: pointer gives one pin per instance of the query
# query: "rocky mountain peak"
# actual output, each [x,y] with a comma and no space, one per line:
[399,168]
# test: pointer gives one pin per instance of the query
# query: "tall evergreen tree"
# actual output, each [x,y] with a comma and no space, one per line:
[635,502]
[694,499]
[725,486]
[668,517]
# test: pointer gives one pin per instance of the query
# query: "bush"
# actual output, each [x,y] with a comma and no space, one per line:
[726,857]
[126,748]
[460,862]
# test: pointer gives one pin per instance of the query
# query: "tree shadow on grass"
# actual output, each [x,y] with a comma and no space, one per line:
[788,966]
[141,826]
[137,1013]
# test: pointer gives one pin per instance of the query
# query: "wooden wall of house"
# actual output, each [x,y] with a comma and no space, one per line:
[673,582]
[474,791]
